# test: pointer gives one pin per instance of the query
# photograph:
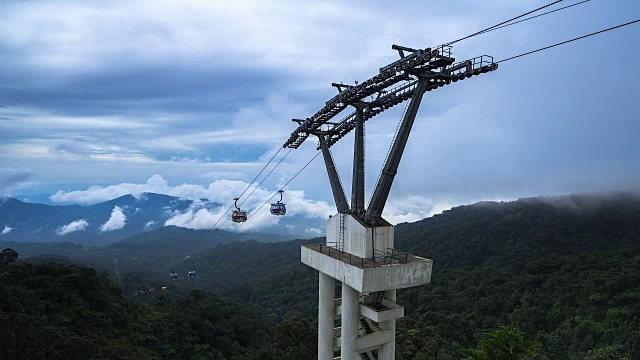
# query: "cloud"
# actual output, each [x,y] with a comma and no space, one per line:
[190,160]
[96,194]
[6,230]
[205,210]
[417,207]
[72,147]
[314,231]
[148,225]
[12,178]
[117,220]
[182,98]
[414,208]
[219,190]
[78,225]
[199,216]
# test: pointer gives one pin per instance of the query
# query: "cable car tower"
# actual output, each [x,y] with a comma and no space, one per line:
[359,250]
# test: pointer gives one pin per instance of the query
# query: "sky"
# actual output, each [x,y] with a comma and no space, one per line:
[192,98]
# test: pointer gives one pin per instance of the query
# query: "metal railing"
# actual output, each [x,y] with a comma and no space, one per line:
[392,256]
[473,66]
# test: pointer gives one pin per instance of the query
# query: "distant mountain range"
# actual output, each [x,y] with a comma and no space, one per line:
[107,222]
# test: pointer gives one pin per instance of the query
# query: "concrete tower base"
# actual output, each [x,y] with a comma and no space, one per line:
[370,273]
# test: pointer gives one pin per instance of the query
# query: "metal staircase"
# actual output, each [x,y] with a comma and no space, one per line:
[365,327]
[369,355]
[378,296]
[368,329]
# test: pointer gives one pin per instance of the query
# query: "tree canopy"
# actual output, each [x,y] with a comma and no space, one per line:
[8,256]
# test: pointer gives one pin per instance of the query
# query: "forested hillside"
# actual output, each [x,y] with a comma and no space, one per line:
[564,270]
[54,311]
[151,250]
[528,229]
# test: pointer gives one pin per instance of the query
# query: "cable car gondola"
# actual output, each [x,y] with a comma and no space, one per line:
[191,274]
[173,275]
[238,215]
[279,208]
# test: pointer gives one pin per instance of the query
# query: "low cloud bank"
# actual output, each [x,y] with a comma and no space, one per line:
[78,225]
[210,207]
[205,211]
[11,178]
[201,215]
[219,190]
[117,220]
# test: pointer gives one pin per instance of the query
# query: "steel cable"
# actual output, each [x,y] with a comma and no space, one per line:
[568,41]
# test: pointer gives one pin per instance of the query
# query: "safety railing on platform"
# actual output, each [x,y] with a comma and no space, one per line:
[475,66]
[392,256]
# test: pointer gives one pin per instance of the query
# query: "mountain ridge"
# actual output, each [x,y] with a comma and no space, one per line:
[106,222]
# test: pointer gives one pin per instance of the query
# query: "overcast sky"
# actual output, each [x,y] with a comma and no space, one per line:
[191,98]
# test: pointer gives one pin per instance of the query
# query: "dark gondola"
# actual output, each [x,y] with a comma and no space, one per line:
[278,208]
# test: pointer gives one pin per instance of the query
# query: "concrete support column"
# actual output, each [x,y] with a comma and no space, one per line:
[326,316]
[350,323]
[388,350]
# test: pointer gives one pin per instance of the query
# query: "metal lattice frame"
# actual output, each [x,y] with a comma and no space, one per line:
[410,77]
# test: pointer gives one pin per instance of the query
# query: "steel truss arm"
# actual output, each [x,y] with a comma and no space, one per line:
[383,187]
[391,75]
[392,86]
[334,178]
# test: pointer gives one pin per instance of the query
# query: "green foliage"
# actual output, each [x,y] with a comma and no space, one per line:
[565,270]
[605,353]
[8,256]
[55,311]
[433,336]
[507,343]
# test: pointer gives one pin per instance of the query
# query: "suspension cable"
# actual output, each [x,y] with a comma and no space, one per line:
[265,178]
[202,241]
[568,41]
[254,179]
[502,23]
[533,17]
[272,196]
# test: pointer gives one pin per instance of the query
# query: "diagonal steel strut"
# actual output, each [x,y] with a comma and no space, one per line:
[357,182]
[334,179]
[373,215]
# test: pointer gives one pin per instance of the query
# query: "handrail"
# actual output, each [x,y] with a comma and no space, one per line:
[392,256]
